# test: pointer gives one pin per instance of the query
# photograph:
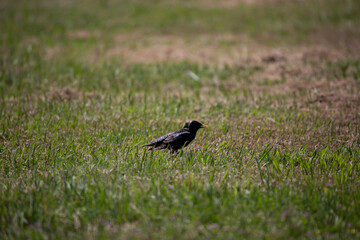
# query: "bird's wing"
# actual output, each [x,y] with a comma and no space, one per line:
[161,140]
[157,141]
[178,138]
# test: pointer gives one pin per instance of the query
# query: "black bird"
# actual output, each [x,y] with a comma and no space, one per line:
[178,139]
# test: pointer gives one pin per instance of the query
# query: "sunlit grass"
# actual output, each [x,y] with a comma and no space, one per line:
[272,164]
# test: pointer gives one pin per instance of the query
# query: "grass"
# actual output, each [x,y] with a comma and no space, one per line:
[281,158]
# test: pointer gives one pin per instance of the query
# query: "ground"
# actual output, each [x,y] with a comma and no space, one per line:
[84,84]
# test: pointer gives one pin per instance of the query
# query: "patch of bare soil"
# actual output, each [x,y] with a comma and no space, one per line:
[299,62]
[52,52]
[80,34]
[346,39]
[218,49]
[67,94]
[202,49]
[290,70]
[59,95]
[234,3]
[337,103]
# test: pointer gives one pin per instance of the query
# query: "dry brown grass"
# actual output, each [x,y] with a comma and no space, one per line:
[215,49]
[234,3]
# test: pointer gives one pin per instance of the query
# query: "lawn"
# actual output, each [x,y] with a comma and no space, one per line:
[83,84]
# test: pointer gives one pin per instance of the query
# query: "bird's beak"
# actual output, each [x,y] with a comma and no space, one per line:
[204,126]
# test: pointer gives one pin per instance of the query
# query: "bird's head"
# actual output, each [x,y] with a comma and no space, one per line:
[195,125]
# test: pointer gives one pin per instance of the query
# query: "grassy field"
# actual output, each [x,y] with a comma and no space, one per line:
[83,84]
